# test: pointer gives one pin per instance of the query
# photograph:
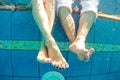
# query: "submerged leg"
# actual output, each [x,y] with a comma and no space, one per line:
[41,20]
[68,25]
[78,46]
[67,22]
[50,10]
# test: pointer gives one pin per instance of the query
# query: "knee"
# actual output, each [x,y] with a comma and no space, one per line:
[63,12]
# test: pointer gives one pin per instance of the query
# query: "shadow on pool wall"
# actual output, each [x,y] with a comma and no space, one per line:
[20,63]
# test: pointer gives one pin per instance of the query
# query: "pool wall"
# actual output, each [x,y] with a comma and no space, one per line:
[20,41]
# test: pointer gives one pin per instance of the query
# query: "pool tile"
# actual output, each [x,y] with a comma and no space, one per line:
[5,62]
[99,77]
[101,62]
[21,1]
[115,63]
[77,67]
[108,8]
[114,76]
[58,32]
[116,32]
[104,31]
[24,63]
[5,24]
[91,36]
[79,78]
[23,26]
[6,78]
[25,78]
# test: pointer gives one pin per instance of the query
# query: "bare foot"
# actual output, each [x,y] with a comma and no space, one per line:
[57,60]
[79,48]
[43,55]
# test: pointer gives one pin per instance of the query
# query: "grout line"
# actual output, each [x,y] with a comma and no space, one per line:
[11,44]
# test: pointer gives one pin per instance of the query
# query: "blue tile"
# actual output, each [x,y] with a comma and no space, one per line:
[116,33]
[77,67]
[108,8]
[115,64]
[79,78]
[5,24]
[100,77]
[5,78]
[25,78]
[44,68]
[104,31]
[5,62]
[21,1]
[23,26]
[114,76]
[24,63]
[118,7]
[8,0]
[101,62]
[58,32]
[91,37]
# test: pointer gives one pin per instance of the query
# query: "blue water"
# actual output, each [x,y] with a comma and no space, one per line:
[22,64]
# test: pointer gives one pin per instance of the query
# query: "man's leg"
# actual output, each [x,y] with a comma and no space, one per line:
[78,46]
[41,19]
[67,22]
[68,25]
[88,16]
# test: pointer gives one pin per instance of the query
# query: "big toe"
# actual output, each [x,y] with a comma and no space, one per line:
[89,53]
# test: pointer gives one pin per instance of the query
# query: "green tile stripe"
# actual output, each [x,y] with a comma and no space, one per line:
[35,45]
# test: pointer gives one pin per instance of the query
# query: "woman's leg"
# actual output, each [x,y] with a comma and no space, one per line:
[41,19]
[43,55]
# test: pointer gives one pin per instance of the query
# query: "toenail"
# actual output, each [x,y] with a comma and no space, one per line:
[61,68]
[66,65]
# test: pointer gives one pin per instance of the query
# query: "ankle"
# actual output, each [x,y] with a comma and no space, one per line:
[80,39]
[50,44]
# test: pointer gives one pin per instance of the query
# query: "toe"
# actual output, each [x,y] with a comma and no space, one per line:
[44,60]
[89,53]
[66,65]
[54,64]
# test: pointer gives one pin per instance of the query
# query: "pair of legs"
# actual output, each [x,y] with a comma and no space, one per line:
[44,15]
[78,38]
